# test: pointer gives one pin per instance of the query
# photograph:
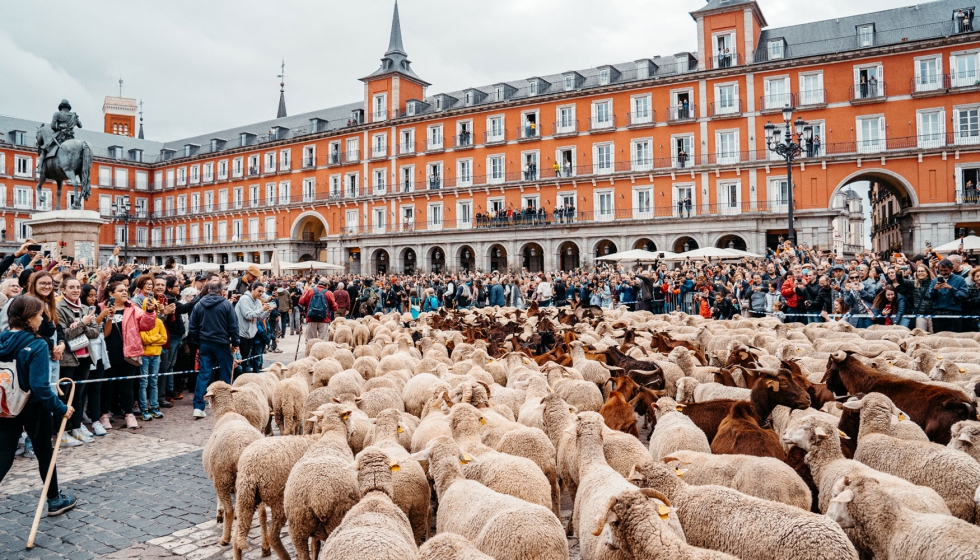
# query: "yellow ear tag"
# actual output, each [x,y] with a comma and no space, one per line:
[890,364]
[680,408]
[401,430]
[394,466]
[799,350]
[483,420]
[902,416]
[843,435]
[678,472]
[465,458]
[663,511]
[939,357]
[571,411]
[962,370]
[344,417]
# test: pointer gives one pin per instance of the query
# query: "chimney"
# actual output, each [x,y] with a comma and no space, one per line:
[120,115]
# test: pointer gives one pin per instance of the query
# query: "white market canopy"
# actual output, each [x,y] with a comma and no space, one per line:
[310,265]
[745,254]
[202,266]
[241,266]
[970,243]
[706,253]
[639,255]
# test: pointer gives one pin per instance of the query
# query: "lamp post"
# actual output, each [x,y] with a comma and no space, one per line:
[789,150]
[120,211]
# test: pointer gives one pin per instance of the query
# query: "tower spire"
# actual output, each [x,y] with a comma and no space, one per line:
[395,42]
[141,120]
[282,90]
[120,86]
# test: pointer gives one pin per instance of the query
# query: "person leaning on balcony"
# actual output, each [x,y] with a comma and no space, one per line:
[557,169]
[970,191]
[681,156]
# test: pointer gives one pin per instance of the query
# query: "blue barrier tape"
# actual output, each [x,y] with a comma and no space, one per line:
[147,375]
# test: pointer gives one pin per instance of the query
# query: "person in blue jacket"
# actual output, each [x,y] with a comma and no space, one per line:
[30,354]
[947,292]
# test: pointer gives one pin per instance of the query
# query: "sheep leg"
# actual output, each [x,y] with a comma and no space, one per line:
[221,514]
[246,512]
[300,533]
[316,547]
[555,494]
[274,530]
[266,551]
[570,527]
[229,517]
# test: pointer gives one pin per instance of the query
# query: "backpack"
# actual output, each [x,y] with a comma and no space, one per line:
[369,300]
[12,397]
[431,304]
[318,310]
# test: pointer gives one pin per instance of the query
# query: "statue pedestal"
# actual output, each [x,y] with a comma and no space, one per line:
[79,229]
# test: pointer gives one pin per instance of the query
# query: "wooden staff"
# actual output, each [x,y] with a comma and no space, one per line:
[54,458]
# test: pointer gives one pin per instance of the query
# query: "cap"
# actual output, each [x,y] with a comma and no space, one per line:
[200,278]
[322,282]
[837,267]
[253,271]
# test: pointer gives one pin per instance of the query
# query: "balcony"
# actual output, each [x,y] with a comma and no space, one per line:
[775,103]
[434,182]
[333,158]
[602,124]
[309,162]
[379,152]
[406,186]
[725,109]
[565,127]
[350,156]
[528,132]
[464,140]
[867,93]
[969,78]
[495,137]
[641,119]
[681,113]
[726,60]
[379,116]
[810,98]
[253,172]
[407,149]
[434,145]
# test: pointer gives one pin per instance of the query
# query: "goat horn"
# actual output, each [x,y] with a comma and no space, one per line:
[839,356]
[651,493]
[601,520]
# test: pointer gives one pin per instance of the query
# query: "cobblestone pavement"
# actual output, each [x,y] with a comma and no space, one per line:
[142,494]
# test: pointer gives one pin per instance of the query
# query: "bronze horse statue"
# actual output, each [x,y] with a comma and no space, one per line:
[71,161]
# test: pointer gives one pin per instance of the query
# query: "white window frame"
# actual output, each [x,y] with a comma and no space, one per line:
[639,212]
[222,170]
[309,189]
[270,228]
[602,214]
[181,176]
[635,106]
[379,219]
[972,137]
[730,156]
[309,156]
[464,172]
[379,145]
[691,160]
[464,213]
[238,167]
[496,169]
[24,198]
[434,216]
[932,82]
[602,114]
[733,41]
[406,217]
[866,35]
[603,158]
[285,159]
[776,49]
[22,166]
[379,101]
[727,206]
[775,195]
[434,137]
[353,149]
[777,100]
[105,174]
[811,97]
[869,145]
[676,190]
[969,77]
[879,75]
[238,197]
[284,198]
[181,204]
[350,221]
[379,180]
[722,109]
[195,174]
[270,162]
[644,161]
[352,191]
[936,139]
[496,128]
[408,170]
[565,122]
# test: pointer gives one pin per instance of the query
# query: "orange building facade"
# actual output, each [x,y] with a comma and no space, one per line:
[548,173]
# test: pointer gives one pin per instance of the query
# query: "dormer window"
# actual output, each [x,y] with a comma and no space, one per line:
[17,137]
[498,93]
[569,83]
[410,109]
[468,98]
[963,20]
[866,35]
[604,77]
[187,150]
[532,87]
[776,50]
[642,70]
[438,104]
[243,139]
[116,152]
[136,154]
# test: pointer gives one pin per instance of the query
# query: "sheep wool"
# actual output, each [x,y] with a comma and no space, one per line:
[675,431]
[450,546]
[966,438]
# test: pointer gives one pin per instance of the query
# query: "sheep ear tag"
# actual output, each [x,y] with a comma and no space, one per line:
[663,511]
[902,417]
[962,370]
[680,472]
[774,385]
[680,408]
[393,465]
[843,435]
[400,429]
[799,350]
[483,420]
[465,458]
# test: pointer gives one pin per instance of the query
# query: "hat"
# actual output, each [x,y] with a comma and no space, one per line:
[322,282]
[200,278]
[64,105]
[837,267]
[253,271]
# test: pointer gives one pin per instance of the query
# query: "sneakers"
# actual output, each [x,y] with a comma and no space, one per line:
[84,431]
[64,502]
[199,413]
[106,422]
[29,454]
[77,434]
[167,404]
[131,422]
[145,415]
[98,429]
[155,413]
[69,441]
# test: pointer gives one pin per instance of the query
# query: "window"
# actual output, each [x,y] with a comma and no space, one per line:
[777,93]
[142,182]
[141,205]
[208,232]
[642,70]
[966,121]
[170,206]
[309,190]
[495,129]
[22,166]
[811,89]
[496,166]
[223,199]
[105,176]
[464,214]
[182,205]
[352,154]
[778,194]
[253,164]
[168,235]
[181,175]
[438,104]
[195,174]
[727,141]
[379,145]
[725,50]
[603,158]
[604,209]
[237,167]
[122,178]
[22,229]
[464,172]
[602,114]
[529,125]
[243,139]
[270,228]
[254,197]
[726,99]
[253,228]
[435,175]
[270,162]
[23,198]
[868,82]
[285,160]
[408,218]
[464,133]
[775,49]
[195,233]
[157,207]
[239,195]
[566,120]
[496,205]
[407,181]
[642,203]
[380,187]
[350,221]
[180,237]
[379,219]
[866,35]
[468,98]
[729,198]
[380,107]
[569,83]
[155,236]
[963,69]
[604,77]
[498,93]
[642,155]
[351,191]
[408,142]
[236,230]
[927,72]
[685,201]
[435,216]
[532,87]
[641,112]
[3,164]
[870,134]
[930,124]
[208,202]
[309,156]
[435,137]
[682,151]
[270,194]
[170,178]
[195,203]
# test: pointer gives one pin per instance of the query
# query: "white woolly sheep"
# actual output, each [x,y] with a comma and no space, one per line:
[450,546]
[367,366]
[880,416]
[591,370]
[320,350]
[690,390]
[251,402]
[966,438]
[324,370]
[314,400]
[345,356]
[362,334]
[374,401]
[675,431]
[583,395]
[347,381]
[288,402]
[502,526]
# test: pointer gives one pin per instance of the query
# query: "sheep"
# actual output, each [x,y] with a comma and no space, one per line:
[744,526]
[262,473]
[411,486]
[251,402]
[690,390]
[265,381]
[324,370]
[583,395]
[374,401]
[675,431]
[419,390]
[450,546]
[320,489]
[878,415]
[361,423]
[966,437]
[435,422]
[597,483]
[362,334]
[345,357]
[342,333]
[618,414]
[501,526]
[895,531]
[591,370]
[507,474]
[375,527]
[933,408]
[632,521]
[347,381]
[232,434]
[762,477]
[288,401]
[952,473]
[684,359]
[367,366]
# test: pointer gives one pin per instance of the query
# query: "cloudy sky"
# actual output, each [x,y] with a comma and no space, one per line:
[201,66]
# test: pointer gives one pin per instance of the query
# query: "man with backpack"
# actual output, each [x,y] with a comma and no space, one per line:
[320,307]
[367,299]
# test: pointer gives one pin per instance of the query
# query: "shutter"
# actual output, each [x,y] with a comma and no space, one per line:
[738,154]
[881,143]
[952,68]
[880,71]
[766,88]
[939,68]
[737,99]
[942,125]
[860,133]
[958,181]
[857,77]
[956,120]
[918,125]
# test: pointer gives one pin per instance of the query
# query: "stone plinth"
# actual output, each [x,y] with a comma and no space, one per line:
[79,229]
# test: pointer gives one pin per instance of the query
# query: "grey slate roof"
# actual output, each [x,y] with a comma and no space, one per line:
[395,41]
[99,141]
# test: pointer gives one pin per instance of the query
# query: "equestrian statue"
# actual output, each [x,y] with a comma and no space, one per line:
[62,157]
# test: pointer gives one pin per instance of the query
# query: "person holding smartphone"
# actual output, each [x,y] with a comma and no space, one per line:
[77,321]
[947,291]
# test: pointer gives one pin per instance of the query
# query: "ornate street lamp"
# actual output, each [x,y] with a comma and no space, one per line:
[787,149]
[120,211]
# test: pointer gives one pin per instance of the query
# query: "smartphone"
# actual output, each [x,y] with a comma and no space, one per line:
[111,302]
[70,259]
[47,254]
[35,247]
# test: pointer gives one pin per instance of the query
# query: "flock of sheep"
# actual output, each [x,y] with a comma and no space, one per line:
[765,440]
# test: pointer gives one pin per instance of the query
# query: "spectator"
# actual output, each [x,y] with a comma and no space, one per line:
[122,323]
[99,358]
[153,342]
[497,298]
[249,311]
[320,307]
[176,312]
[342,298]
[214,329]
[544,292]
[889,307]
[296,313]
[77,320]
[947,291]
[722,309]
[921,303]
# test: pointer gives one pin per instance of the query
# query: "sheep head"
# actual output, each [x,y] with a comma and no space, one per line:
[333,417]
[657,474]
[636,504]
[374,471]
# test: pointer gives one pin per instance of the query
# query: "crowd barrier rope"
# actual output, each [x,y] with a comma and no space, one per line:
[105,379]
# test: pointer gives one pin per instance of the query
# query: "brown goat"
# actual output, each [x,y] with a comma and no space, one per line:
[796,458]
[819,393]
[771,390]
[741,433]
[644,404]
[618,414]
[626,386]
[932,407]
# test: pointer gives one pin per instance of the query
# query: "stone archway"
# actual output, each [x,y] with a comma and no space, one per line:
[309,226]
[731,241]
[437,260]
[466,257]
[890,195]
[569,257]
[604,247]
[532,257]
[497,257]
[684,244]
[645,244]
[408,260]
[381,261]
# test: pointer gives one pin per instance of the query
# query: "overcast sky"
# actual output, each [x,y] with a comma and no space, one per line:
[202,66]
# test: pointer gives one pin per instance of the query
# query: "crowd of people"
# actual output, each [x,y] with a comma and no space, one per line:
[122,330]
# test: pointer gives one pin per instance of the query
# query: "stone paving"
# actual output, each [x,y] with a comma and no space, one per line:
[142,494]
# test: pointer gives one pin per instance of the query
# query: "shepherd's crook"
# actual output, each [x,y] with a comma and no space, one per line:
[54,458]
